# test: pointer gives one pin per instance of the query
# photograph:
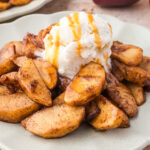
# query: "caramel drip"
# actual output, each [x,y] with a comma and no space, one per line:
[56,50]
[110,29]
[106,57]
[50,39]
[95,31]
[97,60]
[76,29]
[54,58]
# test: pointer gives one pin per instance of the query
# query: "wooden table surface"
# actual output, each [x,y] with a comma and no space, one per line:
[138,13]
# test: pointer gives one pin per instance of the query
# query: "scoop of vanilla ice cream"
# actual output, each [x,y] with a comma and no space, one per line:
[76,40]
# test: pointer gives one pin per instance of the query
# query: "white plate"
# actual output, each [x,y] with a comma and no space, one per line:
[22,10]
[14,137]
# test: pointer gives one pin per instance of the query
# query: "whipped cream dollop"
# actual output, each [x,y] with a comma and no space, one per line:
[76,40]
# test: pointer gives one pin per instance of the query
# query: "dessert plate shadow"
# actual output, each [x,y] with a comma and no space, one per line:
[14,136]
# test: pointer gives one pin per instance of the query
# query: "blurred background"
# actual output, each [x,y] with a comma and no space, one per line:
[138,13]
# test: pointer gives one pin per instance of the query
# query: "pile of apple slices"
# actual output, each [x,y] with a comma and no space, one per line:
[49,105]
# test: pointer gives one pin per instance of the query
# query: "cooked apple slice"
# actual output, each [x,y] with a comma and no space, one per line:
[7,54]
[127,54]
[4,90]
[86,85]
[59,99]
[116,72]
[92,110]
[31,82]
[15,107]
[137,92]
[125,122]
[30,47]
[121,96]
[17,45]
[145,64]
[109,117]
[48,73]
[134,74]
[63,82]
[56,121]
[19,61]
[10,80]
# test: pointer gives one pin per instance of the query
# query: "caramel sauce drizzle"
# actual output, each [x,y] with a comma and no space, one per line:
[54,59]
[76,29]
[50,39]
[95,31]
[97,60]
[110,29]
[106,57]
[56,50]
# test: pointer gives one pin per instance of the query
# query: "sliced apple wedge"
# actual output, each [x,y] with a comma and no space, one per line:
[7,55]
[31,82]
[116,72]
[56,121]
[145,64]
[138,93]
[86,85]
[121,96]
[127,54]
[63,82]
[110,116]
[15,107]
[19,61]
[4,90]
[92,110]
[48,73]
[133,74]
[59,99]
[30,47]
[10,80]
